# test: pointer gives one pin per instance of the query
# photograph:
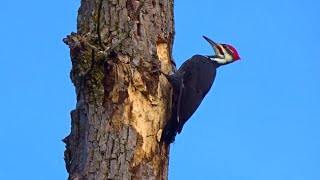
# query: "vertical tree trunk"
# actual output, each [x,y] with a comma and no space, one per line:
[121,104]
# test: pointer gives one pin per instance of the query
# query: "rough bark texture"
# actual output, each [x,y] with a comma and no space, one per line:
[121,105]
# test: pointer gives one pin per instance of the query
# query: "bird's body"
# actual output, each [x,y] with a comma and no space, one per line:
[193,80]
[190,85]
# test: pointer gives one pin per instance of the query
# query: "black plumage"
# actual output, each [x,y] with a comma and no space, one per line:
[190,85]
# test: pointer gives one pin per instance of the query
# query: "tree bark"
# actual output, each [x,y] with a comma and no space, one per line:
[121,104]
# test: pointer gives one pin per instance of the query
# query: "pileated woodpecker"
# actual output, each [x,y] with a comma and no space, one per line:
[191,83]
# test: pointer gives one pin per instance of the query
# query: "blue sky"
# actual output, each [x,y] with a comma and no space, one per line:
[260,121]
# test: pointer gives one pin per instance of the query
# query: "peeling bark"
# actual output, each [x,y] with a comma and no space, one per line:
[121,105]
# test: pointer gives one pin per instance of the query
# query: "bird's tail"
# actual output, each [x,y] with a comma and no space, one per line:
[168,134]
[170,130]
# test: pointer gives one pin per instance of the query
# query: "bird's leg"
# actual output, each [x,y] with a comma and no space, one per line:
[158,70]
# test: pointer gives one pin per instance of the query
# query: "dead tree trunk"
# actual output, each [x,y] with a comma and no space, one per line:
[121,104]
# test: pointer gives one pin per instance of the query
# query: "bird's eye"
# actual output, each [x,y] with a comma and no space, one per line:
[226,47]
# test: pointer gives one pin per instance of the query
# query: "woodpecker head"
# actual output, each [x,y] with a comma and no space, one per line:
[225,53]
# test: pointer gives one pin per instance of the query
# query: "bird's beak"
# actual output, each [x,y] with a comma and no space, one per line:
[213,44]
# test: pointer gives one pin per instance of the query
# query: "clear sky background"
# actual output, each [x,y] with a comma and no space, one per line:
[260,121]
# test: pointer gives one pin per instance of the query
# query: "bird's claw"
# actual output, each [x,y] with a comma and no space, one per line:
[158,70]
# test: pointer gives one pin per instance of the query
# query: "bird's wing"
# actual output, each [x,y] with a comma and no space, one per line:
[196,83]
[179,98]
